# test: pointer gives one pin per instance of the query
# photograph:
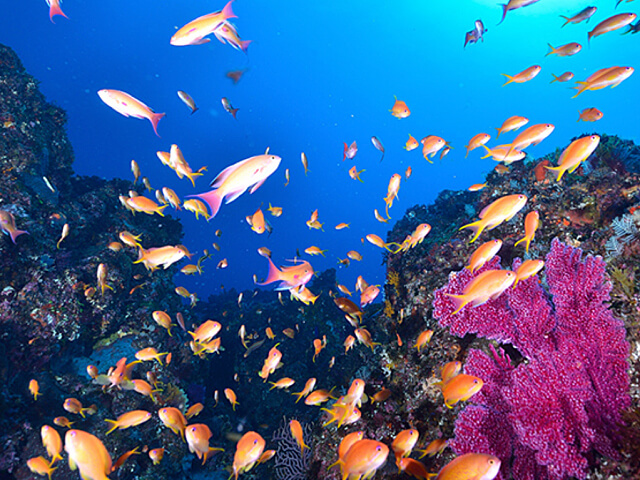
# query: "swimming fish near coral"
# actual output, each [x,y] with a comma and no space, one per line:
[486,286]
[498,211]
[289,277]
[8,225]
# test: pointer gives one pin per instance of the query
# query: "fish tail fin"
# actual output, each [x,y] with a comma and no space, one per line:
[555,78]
[467,154]
[553,50]
[54,10]
[234,111]
[16,233]
[227,11]
[335,464]
[558,169]
[523,239]
[244,45]
[113,424]
[567,20]
[272,276]
[159,211]
[191,177]
[499,132]
[344,154]
[477,228]
[299,395]
[510,77]
[459,301]
[213,199]
[505,7]
[489,152]
[154,119]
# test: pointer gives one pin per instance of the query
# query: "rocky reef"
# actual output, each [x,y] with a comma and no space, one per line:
[55,321]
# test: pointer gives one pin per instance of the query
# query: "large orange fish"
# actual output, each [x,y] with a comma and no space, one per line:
[173,418]
[248,452]
[194,32]
[471,466]
[524,76]
[512,123]
[460,388]
[126,105]
[612,23]
[234,180]
[364,458]
[346,443]
[198,436]
[88,454]
[486,286]
[612,76]
[500,210]
[404,442]
[289,277]
[576,153]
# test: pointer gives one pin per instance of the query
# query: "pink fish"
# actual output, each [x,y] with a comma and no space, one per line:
[126,105]
[194,32]
[55,9]
[8,225]
[234,180]
[350,151]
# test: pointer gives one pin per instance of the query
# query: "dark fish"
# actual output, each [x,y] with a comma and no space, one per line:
[584,14]
[378,145]
[633,28]
[470,37]
[480,30]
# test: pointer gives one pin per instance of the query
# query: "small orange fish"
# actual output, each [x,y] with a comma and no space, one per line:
[483,254]
[52,442]
[524,76]
[392,191]
[289,277]
[404,442]
[566,50]
[196,31]
[34,388]
[197,436]
[611,24]
[173,419]
[381,396]
[194,410]
[308,387]
[460,388]
[476,141]
[285,382]
[318,345]
[413,468]
[318,397]
[531,223]
[590,115]
[500,210]
[149,354]
[63,422]
[565,77]
[411,144]
[513,5]
[355,174]
[527,269]
[431,145]
[342,226]
[156,455]
[423,339]
[512,123]
[407,174]
[298,434]
[163,319]
[488,285]
[476,187]
[577,152]
[348,343]
[400,109]
[436,447]
[369,295]
[271,363]
[257,222]
[231,396]
[364,337]
[73,405]
[129,419]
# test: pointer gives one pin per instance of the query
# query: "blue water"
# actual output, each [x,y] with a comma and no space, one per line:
[319,74]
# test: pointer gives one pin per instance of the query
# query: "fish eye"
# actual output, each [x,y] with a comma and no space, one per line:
[475,381]
[255,442]
[491,462]
[378,448]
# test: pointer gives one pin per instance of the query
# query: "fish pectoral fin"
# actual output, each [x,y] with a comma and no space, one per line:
[234,195]
[201,41]
[257,186]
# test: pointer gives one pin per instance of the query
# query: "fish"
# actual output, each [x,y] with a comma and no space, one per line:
[308,387]
[565,77]
[271,363]
[400,109]
[477,33]
[249,450]
[434,448]
[318,397]
[115,246]
[173,419]
[231,396]
[512,123]
[528,269]
[364,458]
[275,211]
[257,222]
[235,75]
[171,197]
[52,442]
[577,152]
[145,205]
[355,174]
[403,443]
[303,294]
[407,173]
[611,24]
[414,468]
[431,145]
[566,50]
[194,410]
[498,211]
[348,307]
[476,187]
[156,455]
[55,9]
[228,32]
[8,225]
[318,345]
[514,5]
[229,108]
[445,151]
[532,135]
[381,396]
[471,466]
[476,141]
[197,436]
[461,388]
[188,101]
[128,419]
[423,339]
[483,254]
[63,422]
[350,151]
[298,435]
[503,153]
[392,191]
[612,76]
[345,444]
[149,354]
[135,169]
[377,241]
[285,382]
[369,295]
[378,145]
[34,388]
[584,14]
[531,223]
[163,319]
[313,250]
[88,454]
[524,76]
[286,177]
[41,466]
[411,144]
[154,258]
[364,337]
[379,217]
[194,32]
[289,277]
[305,163]
[129,106]
[129,239]
[486,286]
[590,115]
[348,343]
[234,180]
[222,264]
[101,275]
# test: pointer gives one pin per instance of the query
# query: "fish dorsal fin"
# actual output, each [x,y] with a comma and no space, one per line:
[266,152]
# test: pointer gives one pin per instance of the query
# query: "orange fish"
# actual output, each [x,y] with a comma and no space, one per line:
[603,78]
[460,388]
[231,396]
[227,31]
[414,468]
[565,77]
[483,254]
[411,144]
[577,152]
[486,286]
[431,145]
[342,226]
[369,295]
[149,354]
[318,397]
[194,32]
[73,405]
[314,251]
[63,422]
[197,436]
[590,115]
[514,5]
[476,142]
[173,418]
[524,76]
[8,225]
[318,345]
[500,210]
[512,123]
[345,444]
[400,109]
[531,223]
[584,14]
[248,452]
[34,388]
[377,241]
[308,387]
[423,339]
[285,382]
[52,442]
[404,442]
[471,466]
[194,410]
[234,180]
[611,24]
[271,363]
[257,222]
[40,466]
[298,434]
[127,420]
[88,454]
[145,205]
[392,191]
[364,337]
[381,396]
[289,277]
[355,174]
[527,269]
[532,135]
[450,370]
[235,75]
[503,153]
[126,105]
[566,50]
[205,332]
[156,455]
[163,319]
[348,343]
[364,458]
[436,447]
